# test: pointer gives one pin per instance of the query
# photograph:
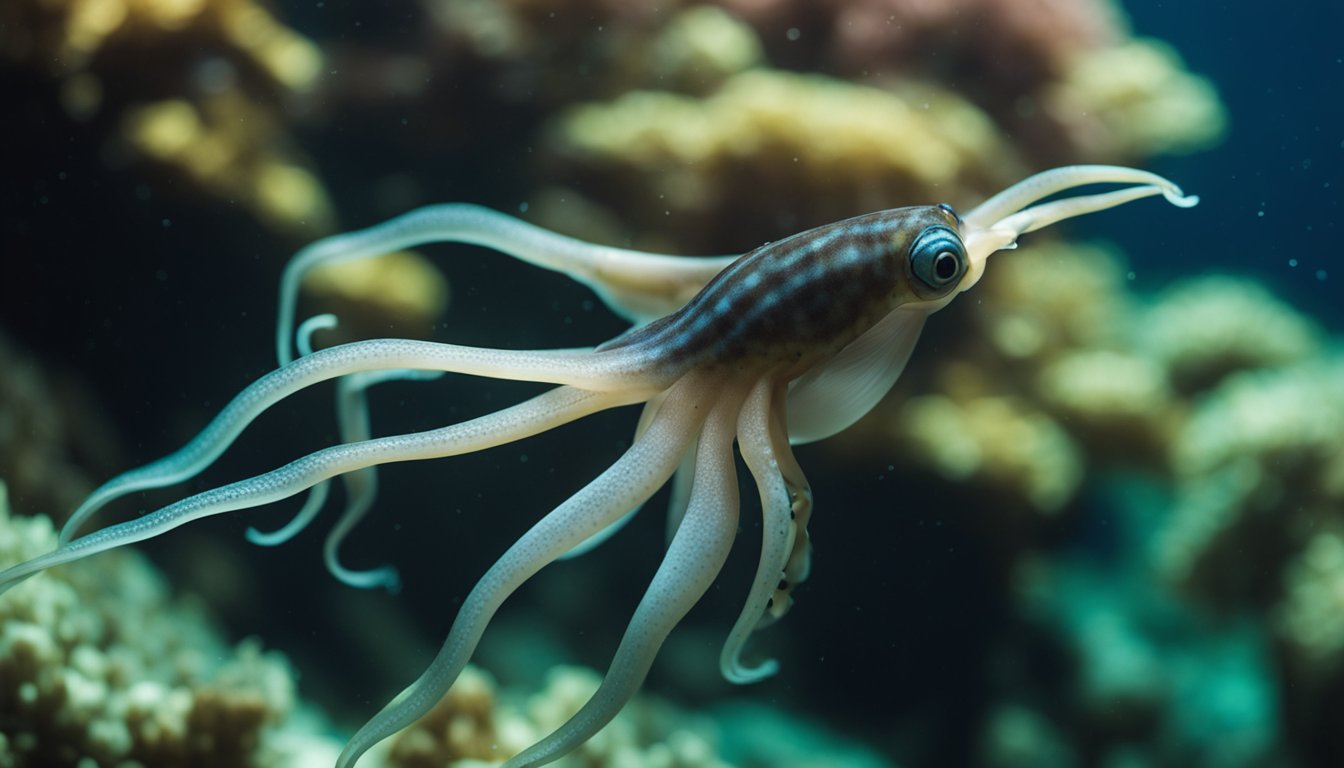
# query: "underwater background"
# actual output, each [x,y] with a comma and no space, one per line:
[1098,522]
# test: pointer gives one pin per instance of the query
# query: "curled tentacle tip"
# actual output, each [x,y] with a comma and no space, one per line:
[749,675]
[386,577]
[259,537]
[1178,198]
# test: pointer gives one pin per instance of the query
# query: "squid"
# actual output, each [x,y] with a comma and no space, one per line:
[789,343]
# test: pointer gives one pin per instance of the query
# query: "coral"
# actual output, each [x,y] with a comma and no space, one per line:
[819,144]
[1154,683]
[230,146]
[1123,399]
[1204,328]
[98,664]
[554,53]
[194,86]
[1021,456]
[71,38]
[1259,463]
[1017,44]
[468,727]
[401,290]
[1050,298]
[1060,78]
[1133,100]
[1311,616]
[50,435]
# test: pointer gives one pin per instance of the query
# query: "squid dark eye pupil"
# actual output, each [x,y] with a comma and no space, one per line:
[945,265]
[937,259]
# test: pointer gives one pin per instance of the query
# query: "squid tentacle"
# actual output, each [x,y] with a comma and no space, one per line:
[573,367]
[361,486]
[692,562]
[777,534]
[636,285]
[593,542]
[1046,183]
[546,411]
[628,482]
[799,564]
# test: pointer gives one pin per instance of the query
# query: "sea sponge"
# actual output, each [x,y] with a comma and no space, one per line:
[98,664]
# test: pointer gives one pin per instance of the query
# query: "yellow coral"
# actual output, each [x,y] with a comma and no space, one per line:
[804,131]
[1050,297]
[995,441]
[227,145]
[1312,615]
[90,25]
[72,642]
[1205,328]
[1269,442]
[469,728]
[401,288]
[1135,100]
[702,45]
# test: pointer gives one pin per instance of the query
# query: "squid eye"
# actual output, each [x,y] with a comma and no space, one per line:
[937,257]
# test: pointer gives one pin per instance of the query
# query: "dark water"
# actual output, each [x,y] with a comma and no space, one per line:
[1271,189]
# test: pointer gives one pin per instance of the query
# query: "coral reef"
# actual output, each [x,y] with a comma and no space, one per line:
[1132,100]
[696,128]
[1218,396]
[51,435]
[820,144]
[401,290]
[193,86]
[470,727]
[98,664]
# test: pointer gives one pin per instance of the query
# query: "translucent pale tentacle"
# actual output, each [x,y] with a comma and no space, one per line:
[361,486]
[680,488]
[829,398]
[690,566]
[597,371]
[629,482]
[777,534]
[1045,214]
[353,416]
[546,411]
[596,540]
[637,285]
[317,496]
[799,564]
[1056,180]
[679,493]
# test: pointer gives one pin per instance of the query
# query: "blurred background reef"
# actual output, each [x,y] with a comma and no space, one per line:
[1099,522]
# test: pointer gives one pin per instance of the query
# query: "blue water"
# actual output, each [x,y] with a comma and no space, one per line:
[1271,191]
